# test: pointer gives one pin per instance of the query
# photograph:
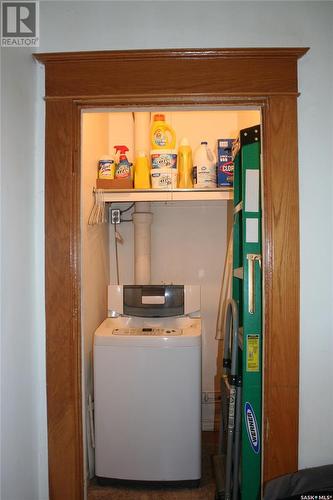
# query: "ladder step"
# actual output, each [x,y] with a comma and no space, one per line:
[239,273]
[238,207]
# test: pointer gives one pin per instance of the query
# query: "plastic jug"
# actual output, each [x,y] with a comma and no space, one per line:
[185,165]
[204,167]
[141,171]
[162,135]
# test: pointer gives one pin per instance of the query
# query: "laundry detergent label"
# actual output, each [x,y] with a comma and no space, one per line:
[164,160]
[252,427]
[225,172]
[252,353]
[204,176]
[164,178]
[160,137]
[123,171]
[161,180]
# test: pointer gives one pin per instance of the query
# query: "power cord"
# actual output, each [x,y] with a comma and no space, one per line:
[127,209]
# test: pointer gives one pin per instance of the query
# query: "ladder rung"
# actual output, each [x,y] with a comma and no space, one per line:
[238,207]
[239,273]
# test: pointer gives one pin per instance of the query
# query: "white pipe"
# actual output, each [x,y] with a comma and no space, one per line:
[142,219]
[141,132]
[142,206]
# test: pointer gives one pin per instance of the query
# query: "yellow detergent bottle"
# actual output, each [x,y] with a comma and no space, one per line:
[185,165]
[141,171]
[162,135]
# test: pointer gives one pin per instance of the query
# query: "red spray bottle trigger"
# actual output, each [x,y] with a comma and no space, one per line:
[122,150]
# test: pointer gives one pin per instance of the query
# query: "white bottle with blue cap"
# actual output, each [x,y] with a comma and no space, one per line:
[204,167]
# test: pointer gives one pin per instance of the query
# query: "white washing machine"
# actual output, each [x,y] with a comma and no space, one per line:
[147,381]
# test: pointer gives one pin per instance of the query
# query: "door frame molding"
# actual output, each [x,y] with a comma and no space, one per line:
[263,77]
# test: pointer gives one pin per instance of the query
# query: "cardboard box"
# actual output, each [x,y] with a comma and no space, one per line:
[225,164]
[114,183]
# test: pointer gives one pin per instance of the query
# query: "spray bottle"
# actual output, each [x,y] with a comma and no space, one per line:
[123,168]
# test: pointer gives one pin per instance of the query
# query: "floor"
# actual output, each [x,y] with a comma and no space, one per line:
[206,490]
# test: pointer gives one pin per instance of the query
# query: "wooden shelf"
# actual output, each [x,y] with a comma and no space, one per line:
[131,195]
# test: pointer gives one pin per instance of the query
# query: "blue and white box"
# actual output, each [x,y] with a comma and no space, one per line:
[225,164]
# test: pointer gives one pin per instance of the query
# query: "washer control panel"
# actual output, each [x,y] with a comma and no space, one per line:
[157,332]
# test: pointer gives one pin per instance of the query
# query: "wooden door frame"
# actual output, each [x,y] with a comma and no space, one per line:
[262,77]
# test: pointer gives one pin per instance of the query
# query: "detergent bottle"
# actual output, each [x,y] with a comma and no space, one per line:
[141,171]
[204,167]
[123,167]
[162,135]
[185,165]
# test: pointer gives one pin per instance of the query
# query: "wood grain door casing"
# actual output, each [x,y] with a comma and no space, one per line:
[276,94]
[281,273]
[63,345]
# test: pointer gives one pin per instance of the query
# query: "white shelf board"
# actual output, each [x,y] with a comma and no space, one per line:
[118,195]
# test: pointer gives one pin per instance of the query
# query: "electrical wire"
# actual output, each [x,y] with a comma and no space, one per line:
[127,209]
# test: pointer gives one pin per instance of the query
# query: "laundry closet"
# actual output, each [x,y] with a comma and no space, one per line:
[189,237]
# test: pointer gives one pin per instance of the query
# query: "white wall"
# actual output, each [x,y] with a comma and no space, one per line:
[69,26]
[95,253]
[23,401]
[197,259]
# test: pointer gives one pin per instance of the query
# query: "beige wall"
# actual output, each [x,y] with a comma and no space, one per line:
[121,130]
[248,119]
[95,251]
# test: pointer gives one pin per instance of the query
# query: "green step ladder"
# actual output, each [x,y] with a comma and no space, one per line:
[247,292]
[238,463]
